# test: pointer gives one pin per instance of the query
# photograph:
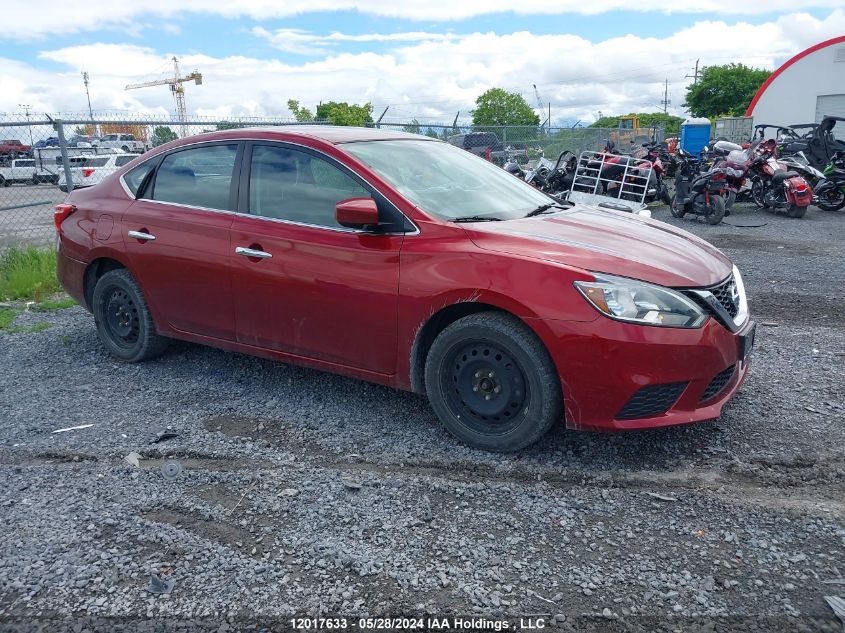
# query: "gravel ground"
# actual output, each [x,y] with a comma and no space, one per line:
[308,493]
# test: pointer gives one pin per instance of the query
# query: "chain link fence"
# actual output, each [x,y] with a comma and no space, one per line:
[43,157]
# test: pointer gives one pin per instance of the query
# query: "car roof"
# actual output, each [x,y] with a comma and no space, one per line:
[333,134]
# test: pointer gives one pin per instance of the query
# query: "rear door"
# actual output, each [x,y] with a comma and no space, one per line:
[177,237]
[319,290]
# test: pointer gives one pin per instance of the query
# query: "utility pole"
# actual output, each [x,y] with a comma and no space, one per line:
[549,124]
[695,76]
[665,103]
[26,107]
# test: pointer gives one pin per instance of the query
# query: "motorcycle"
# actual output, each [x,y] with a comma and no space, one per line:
[699,193]
[552,178]
[830,195]
[773,185]
[662,166]
[734,160]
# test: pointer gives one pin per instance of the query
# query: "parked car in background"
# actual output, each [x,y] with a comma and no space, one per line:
[79,140]
[125,142]
[12,148]
[52,141]
[401,260]
[26,171]
[87,171]
[484,144]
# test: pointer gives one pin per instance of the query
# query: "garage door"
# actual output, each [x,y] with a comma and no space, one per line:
[829,105]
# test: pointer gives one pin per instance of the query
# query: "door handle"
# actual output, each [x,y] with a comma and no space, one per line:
[140,235]
[251,252]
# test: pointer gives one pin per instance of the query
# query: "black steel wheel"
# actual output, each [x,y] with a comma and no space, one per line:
[492,383]
[124,323]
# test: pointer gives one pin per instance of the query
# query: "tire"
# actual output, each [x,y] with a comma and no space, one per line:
[677,211]
[833,203]
[795,211]
[718,213]
[4,182]
[125,148]
[528,401]
[758,194]
[124,323]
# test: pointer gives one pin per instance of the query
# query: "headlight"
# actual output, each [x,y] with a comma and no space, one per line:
[640,302]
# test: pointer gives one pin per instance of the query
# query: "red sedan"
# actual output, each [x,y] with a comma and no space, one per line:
[402,260]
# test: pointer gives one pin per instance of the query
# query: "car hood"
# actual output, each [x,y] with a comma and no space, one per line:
[611,242]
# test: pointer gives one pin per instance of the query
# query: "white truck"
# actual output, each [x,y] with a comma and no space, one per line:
[123,142]
[28,171]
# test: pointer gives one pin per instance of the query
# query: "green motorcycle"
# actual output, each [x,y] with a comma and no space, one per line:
[830,193]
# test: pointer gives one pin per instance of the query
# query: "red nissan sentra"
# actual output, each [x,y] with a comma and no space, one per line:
[405,261]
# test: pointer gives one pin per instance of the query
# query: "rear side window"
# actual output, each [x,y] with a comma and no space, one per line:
[199,177]
[120,161]
[25,163]
[134,177]
[96,162]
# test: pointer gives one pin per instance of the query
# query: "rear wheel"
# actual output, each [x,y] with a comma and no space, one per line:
[795,211]
[717,214]
[492,383]
[677,209]
[664,193]
[124,323]
[4,182]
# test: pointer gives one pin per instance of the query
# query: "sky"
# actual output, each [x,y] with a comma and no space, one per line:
[425,59]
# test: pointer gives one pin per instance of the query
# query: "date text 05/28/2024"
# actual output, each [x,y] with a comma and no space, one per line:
[465,624]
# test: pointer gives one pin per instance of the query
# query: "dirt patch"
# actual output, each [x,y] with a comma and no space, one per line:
[798,309]
[745,242]
[217,531]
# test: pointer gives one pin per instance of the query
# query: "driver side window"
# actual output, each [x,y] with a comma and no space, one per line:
[289,184]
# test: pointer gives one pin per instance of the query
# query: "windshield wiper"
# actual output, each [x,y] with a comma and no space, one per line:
[477,218]
[545,207]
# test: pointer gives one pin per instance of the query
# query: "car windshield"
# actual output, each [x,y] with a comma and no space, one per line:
[448,182]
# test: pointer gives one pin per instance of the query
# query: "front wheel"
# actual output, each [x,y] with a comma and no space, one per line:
[758,194]
[124,323]
[677,209]
[832,201]
[492,382]
[664,193]
[795,211]
[718,212]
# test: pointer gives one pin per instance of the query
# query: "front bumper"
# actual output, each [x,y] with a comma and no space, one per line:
[603,364]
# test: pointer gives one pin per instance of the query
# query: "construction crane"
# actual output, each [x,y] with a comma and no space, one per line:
[177,89]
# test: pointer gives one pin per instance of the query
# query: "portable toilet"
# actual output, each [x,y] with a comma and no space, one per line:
[695,134]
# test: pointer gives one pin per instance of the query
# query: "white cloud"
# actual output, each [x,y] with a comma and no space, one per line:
[429,78]
[23,21]
[303,42]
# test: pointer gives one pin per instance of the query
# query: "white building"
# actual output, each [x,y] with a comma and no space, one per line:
[805,88]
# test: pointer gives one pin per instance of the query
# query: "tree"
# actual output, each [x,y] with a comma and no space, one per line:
[500,107]
[413,127]
[163,134]
[724,90]
[229,125]
[341,113]
[300,113]
[669,122]
[432,133]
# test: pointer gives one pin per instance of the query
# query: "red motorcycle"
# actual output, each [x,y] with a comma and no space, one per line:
[773,185]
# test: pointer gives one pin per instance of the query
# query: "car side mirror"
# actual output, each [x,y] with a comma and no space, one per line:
[357,213]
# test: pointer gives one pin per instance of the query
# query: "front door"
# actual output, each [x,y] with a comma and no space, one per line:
[177,239]
[306,285]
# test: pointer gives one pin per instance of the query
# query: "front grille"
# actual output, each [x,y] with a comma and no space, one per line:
[723,294]
[651,400]
[717,384]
